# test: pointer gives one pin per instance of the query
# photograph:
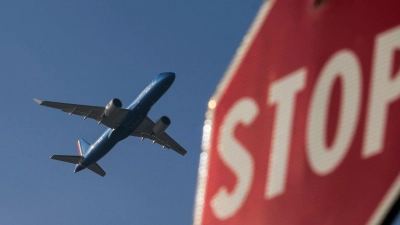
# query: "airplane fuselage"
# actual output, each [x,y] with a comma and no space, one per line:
[138,111]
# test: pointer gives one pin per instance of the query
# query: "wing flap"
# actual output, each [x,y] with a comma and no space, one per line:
[145,131]
[165,140]
[87,111]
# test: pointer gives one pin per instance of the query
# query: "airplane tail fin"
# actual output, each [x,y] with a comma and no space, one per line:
[83,146]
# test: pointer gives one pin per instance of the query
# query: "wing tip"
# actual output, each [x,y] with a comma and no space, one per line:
[38,101]
[180,151]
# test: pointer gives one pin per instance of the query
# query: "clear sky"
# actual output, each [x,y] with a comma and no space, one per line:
[88,52]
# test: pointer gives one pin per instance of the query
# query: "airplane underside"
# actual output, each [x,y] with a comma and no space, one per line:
[121,123]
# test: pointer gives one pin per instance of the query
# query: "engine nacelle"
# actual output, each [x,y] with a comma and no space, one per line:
[112,107]
[161,125]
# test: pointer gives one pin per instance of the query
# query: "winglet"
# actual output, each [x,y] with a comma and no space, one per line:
[38,101]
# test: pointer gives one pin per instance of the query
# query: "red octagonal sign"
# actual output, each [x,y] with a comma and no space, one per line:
[304,127]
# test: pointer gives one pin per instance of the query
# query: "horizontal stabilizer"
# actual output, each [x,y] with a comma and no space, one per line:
[67,158]
[97,169]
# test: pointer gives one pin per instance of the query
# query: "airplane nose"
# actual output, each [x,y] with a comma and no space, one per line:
[168,76]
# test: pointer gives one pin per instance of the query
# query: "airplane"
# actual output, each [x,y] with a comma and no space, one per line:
[121,123]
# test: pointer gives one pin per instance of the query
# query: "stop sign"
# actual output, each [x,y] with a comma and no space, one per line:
[304,127]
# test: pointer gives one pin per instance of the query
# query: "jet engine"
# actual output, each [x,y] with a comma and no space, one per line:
[112,107]
[161,125]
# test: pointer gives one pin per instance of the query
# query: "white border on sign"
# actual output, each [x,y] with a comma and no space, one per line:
[387,202]
[226,79]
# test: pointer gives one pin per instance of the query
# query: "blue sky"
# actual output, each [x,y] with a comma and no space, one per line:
[88,52]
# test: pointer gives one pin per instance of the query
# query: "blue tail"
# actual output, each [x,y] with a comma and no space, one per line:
[83,147]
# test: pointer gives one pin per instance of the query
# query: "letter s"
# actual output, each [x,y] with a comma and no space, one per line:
[235,156]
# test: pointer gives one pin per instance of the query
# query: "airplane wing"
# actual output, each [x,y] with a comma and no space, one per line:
[145,129]
[87,111]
